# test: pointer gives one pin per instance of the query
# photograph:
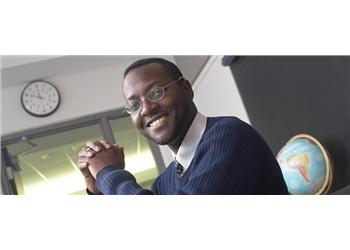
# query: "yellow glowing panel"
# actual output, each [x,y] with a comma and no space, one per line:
[51,169]
[64,184]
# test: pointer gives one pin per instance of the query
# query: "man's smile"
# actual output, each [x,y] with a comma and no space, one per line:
[157,121]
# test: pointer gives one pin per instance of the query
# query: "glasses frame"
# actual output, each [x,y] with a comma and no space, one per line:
[128,110]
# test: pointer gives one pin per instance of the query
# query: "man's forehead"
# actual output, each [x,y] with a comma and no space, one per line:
[137,89]
[144,76]
[147,71]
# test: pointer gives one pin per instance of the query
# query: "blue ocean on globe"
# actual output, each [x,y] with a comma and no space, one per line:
[303,166]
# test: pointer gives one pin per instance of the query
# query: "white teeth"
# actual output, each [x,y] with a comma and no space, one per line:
[157,122]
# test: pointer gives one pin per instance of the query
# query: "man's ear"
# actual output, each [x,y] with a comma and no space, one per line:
[187,88]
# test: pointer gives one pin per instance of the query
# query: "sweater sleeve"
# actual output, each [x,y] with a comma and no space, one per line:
[113,180]
[226,163]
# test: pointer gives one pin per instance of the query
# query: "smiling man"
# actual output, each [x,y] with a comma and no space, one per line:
[213,155]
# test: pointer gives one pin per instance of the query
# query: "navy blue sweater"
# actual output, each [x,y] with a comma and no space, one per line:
[231,158]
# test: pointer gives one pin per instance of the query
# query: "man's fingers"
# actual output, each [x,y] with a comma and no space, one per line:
[82,164]
[118,147]
[105,144]
[85,153]
[85,171]
[83,161]
[95,145]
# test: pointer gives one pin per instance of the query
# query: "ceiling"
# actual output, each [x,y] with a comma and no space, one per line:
[20,69]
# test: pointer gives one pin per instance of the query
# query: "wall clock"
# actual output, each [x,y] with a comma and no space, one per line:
[40,98]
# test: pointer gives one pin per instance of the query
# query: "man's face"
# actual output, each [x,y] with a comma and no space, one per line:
[166,121]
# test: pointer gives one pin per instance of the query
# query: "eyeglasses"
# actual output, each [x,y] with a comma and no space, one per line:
[155,94]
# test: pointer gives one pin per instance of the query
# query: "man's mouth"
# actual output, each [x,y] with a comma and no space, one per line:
[157,122]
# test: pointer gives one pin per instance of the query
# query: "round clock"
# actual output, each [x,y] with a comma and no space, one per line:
[40,98]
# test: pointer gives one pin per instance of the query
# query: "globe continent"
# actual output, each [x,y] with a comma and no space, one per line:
[304,166]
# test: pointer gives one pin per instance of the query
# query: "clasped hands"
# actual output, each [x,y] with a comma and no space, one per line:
[96,156]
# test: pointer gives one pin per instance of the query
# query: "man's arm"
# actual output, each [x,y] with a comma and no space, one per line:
[106,164]
[113,180]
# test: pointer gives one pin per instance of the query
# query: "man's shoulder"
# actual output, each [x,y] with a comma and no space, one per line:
[226,121]
[229,126]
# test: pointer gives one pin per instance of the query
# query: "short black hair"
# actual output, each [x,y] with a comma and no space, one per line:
[172,69]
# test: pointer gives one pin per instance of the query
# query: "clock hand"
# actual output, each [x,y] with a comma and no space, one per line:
[38,93]
[35,96]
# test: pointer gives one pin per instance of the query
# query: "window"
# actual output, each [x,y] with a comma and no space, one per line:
[51,168]
[138,156]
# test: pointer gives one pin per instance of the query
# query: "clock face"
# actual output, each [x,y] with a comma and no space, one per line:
[40,98]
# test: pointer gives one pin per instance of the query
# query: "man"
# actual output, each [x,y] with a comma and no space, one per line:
[214,155]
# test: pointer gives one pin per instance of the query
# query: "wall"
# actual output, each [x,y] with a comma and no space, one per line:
[285,96]
[83,93]
[191,66]
[216,93]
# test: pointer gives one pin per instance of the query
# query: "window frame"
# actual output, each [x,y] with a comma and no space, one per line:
[102,119]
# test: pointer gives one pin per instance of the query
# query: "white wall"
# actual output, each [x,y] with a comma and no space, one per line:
[82,94]
[216,92]
[191,66]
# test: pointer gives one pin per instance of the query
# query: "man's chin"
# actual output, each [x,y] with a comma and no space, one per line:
[161,140]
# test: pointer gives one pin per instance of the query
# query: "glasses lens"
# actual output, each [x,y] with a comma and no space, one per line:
[155,94]
[133,107]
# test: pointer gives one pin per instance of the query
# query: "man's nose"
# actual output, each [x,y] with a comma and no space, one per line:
[147,107]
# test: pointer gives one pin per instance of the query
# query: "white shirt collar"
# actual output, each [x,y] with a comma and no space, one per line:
[188,146]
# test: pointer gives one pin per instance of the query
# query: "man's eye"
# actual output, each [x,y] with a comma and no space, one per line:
[134,106]
[155,94]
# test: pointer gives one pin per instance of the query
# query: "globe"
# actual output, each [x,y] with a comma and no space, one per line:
[305,165]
